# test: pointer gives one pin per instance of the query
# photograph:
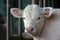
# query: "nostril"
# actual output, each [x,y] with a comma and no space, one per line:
[31,29]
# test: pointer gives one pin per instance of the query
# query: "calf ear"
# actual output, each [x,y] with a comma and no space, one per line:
[48,11]
[16,12]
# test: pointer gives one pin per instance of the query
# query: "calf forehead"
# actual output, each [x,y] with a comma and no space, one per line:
[32,11]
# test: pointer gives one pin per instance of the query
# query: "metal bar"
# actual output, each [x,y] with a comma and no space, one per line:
[44,3]
[40,2]
[19,19]
[7,18]
[33,1]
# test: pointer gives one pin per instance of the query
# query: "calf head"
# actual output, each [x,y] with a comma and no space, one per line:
[33,17]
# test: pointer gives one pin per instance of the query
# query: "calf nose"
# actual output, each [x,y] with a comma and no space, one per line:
[29,29]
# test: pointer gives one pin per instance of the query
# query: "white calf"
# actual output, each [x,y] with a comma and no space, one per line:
[34,18]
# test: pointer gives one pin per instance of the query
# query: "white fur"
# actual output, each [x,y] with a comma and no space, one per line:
[31,14]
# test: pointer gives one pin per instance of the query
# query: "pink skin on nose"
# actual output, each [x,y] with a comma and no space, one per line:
[29,29]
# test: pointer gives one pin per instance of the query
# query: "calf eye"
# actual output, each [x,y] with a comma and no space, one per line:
[38,18]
